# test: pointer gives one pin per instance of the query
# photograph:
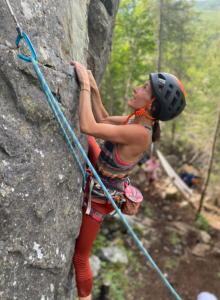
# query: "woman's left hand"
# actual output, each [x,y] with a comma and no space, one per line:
[92,81]
[81,73]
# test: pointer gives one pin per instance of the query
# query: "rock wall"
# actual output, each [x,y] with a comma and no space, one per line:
[40,182]
[100,29]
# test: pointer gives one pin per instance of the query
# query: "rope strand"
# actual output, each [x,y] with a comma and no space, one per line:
[18,28]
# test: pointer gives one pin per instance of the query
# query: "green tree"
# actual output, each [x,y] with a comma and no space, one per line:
[189,49]
[177,35]
[133,40]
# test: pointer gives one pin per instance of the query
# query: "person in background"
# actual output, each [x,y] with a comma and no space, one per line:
[206,296]
[189,179]
[145,158]
[150,168]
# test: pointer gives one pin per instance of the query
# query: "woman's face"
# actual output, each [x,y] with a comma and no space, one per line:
[154,159]
[142,95]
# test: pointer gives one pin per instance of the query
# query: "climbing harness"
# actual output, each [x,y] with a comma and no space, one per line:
[94,193]
[57,111]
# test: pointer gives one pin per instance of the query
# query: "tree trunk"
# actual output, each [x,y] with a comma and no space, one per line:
[180,78]
[129,82]
[160,37]
[181,56]
[210,162]
[131,72]
[110,90]
[173,133]
[104,295]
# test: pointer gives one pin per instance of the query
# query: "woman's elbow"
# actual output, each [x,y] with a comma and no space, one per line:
[88,128]
[85,130]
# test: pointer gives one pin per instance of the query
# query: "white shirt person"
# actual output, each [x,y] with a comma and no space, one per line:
[206,296]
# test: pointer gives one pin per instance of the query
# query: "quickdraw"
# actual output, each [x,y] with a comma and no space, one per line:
[18,28]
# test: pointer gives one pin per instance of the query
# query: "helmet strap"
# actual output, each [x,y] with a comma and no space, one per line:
[142,112]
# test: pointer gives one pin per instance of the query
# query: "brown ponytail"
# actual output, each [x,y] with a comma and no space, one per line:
[155,111]
[156,131]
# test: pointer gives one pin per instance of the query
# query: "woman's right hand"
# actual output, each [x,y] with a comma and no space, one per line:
[81,73]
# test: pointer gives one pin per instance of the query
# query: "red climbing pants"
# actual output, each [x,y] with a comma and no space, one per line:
[94,150]
[87,235]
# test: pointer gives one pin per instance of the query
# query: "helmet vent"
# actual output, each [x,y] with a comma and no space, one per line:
[181,102]
[173,103]
[178,93]
[178,108]
[168,93]
[161,76]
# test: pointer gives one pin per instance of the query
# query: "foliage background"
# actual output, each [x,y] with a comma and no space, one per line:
[190,50]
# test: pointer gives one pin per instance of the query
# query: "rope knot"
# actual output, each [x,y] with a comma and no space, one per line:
[140,112]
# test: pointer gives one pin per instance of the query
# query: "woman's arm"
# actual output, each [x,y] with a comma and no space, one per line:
[127,135]
[99,111]
[100,114]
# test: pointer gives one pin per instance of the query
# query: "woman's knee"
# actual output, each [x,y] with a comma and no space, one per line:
[81,260]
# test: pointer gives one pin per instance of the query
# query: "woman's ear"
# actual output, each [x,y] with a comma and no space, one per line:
[149,107]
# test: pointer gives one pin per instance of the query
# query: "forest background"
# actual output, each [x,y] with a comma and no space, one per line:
[179,37]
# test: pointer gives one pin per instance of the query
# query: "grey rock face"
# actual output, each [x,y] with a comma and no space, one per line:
[114,223]
[112,254]
[40,181]
[100,29]
[173,160]
[95,264]
[205,237]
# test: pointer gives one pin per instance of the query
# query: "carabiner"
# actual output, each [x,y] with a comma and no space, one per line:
[30,46]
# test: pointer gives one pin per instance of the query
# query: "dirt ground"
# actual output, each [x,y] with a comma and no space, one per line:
[188,274]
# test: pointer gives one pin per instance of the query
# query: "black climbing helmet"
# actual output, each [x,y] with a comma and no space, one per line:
[170,93]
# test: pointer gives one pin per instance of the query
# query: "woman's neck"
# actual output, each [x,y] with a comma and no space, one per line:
[142,120]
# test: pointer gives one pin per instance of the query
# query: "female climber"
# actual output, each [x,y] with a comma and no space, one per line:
[126,141]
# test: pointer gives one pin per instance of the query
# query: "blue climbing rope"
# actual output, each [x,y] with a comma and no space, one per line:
[55,108]
[58,114]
